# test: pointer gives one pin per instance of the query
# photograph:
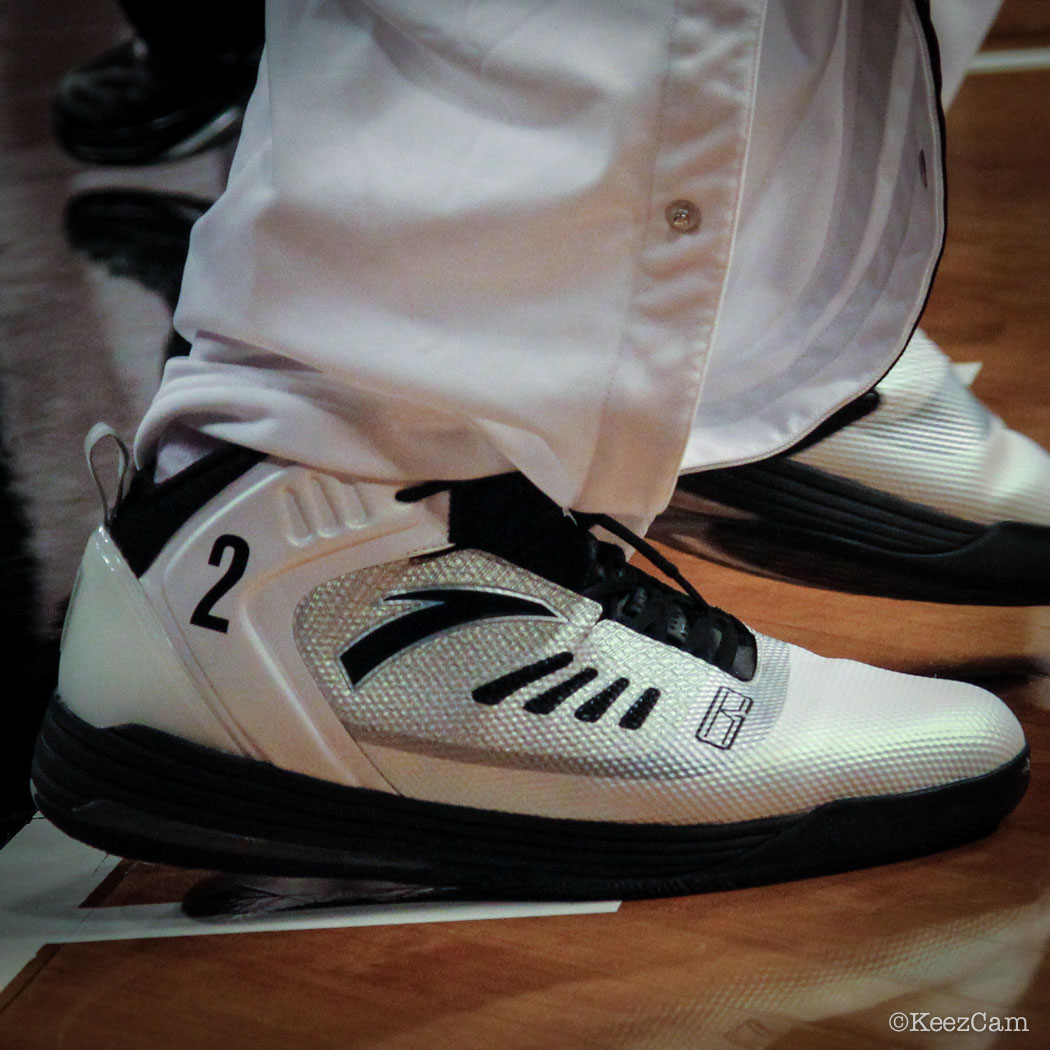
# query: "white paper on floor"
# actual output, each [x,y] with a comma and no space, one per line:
[45,876]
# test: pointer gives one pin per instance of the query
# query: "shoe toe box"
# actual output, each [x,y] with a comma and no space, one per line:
[859,730]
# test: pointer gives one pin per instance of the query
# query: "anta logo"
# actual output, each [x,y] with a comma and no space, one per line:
[724,718]
[437,609]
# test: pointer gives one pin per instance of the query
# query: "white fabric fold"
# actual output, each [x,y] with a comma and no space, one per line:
[444,251]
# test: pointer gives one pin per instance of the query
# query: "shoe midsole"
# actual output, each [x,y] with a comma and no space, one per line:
[798,495]
[140,792]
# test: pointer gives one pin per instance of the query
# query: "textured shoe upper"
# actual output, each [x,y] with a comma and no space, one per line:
[549,694]
[332,628]
[931,441]
[521,672]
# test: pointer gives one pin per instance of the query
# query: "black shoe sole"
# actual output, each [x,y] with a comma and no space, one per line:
[793,522]
[142,793]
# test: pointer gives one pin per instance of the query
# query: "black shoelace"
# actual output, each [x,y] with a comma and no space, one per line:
[508,516]
[679,618]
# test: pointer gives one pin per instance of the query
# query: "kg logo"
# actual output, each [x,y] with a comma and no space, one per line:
[725,716]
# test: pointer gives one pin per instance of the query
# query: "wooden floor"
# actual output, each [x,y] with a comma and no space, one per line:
[808,966]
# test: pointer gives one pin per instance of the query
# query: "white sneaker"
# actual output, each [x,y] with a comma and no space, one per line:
[268,669]
[916,490]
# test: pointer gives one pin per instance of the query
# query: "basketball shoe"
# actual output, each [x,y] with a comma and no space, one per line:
[916,490]
[268,669]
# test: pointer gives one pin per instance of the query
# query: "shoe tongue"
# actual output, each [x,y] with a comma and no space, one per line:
[508,516]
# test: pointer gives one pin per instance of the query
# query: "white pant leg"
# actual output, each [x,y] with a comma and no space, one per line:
[444,250]
[840,227]
[772,180]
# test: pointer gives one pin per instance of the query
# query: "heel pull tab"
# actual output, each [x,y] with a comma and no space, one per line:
[98,433]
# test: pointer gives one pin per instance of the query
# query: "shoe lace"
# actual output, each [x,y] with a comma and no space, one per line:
[493,515]
[681,618]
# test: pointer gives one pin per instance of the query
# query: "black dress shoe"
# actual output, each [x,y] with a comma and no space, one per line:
[132,105]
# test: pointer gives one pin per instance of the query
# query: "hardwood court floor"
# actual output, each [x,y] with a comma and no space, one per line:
[816,965]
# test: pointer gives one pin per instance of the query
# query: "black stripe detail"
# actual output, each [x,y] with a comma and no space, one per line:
[150,514]
[638,712]
[549,700]
[500,688]
[795,494]
[601,702]
[446,608]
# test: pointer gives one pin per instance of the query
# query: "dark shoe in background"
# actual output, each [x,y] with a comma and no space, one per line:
[136,105]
